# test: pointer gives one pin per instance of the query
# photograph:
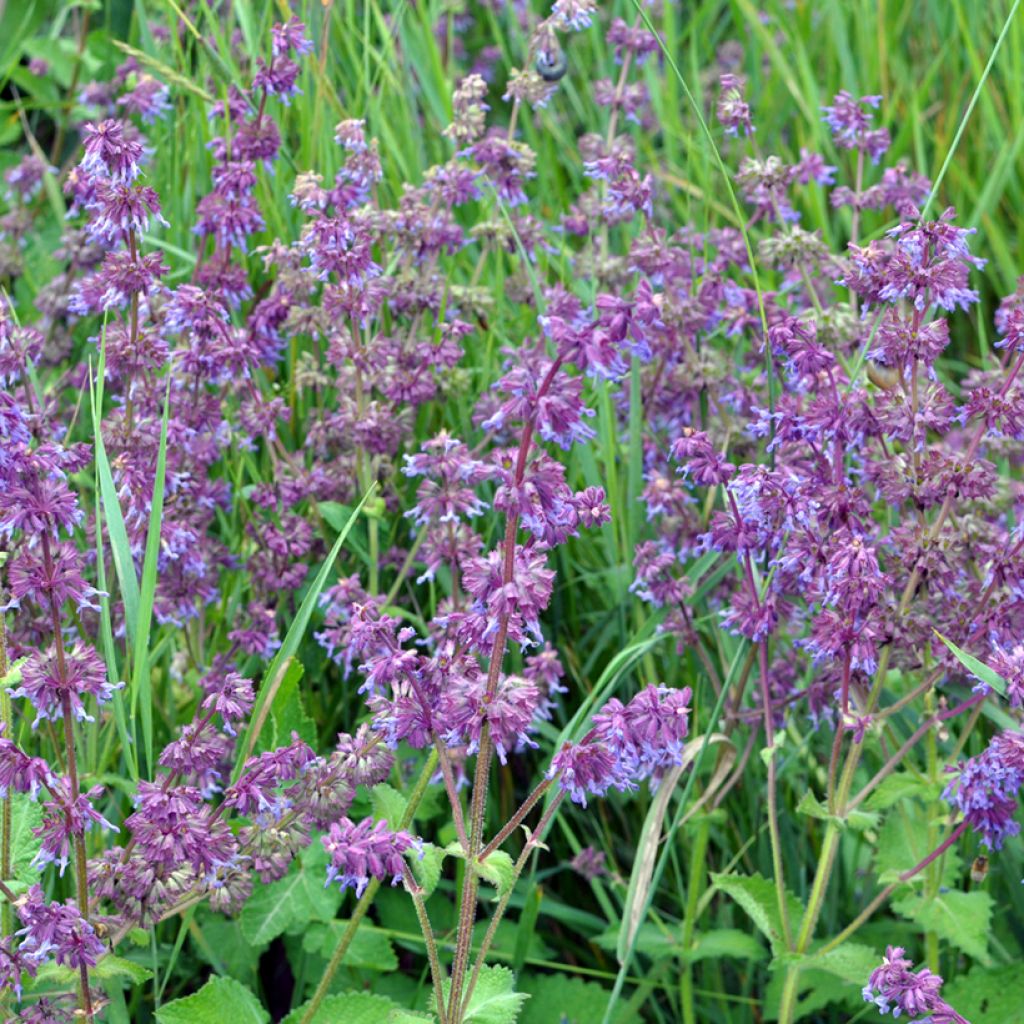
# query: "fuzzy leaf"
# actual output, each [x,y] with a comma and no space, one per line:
[563,1000]
[724,942]
[388,804]
[288,713]
[219,1000]
[897,787]
[370,949]
[348,1008]
[494,1000]
[499,870]
[427,869]
[988,995]
[26,815]
[296,899]
[756,895]
[903,843]
[963,919]
[857,820]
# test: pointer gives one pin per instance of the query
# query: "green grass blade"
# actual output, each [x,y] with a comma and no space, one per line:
[120,549]
[292,639]
[142,696]
[970,109]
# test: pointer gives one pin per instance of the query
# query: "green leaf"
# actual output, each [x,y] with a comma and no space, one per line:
[977,668]
[559,999]
[219,941]
[26,815]
[988,995]
[903,843]
[499,870]
[370,948]
[427,868]
[494,1000]
[347,1008]
[288,712]
[897,787]
[851,961]
[963,919]
[756,895]
[722,942]
[857,820]
[219,1000]
[296,899]
[402,1016]
[388,804]
[112,968]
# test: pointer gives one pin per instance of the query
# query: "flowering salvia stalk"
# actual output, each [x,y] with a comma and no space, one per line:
[290,619]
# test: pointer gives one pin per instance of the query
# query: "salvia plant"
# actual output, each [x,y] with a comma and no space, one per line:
[499,522]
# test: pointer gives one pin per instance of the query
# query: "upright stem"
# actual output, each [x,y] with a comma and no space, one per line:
[81,870]
[367,898]
[436,971]
[773,797]
[481,775]
[492,929]
[694,884]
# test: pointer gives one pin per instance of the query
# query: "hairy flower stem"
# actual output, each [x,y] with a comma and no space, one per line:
[478,804]
[516,819]
[842,802]
[436,970]
[535,839]
[6,807]
[884,895]
[359,912]
[453,794]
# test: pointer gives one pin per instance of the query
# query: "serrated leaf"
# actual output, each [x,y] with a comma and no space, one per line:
[348,1008]
[494,1000]
[756,895]
[219,1000]
[558,999]
[388,804]
[988,995]
[426,869]
[226,948]
[296,899]
[288,712]
[499,870]
[110,968]
[402,1016]
[851,961]
[857,820]
[26,815]
[722,942]
[961,918]
[113,967]
[903,843]
[370,948]
[897,787]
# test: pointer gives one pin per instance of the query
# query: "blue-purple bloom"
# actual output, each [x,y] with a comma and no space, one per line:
[364,851]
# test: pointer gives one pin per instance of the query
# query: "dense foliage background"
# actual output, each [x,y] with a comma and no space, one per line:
[251,456]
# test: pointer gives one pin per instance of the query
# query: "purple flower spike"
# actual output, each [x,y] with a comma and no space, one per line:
[364,851]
